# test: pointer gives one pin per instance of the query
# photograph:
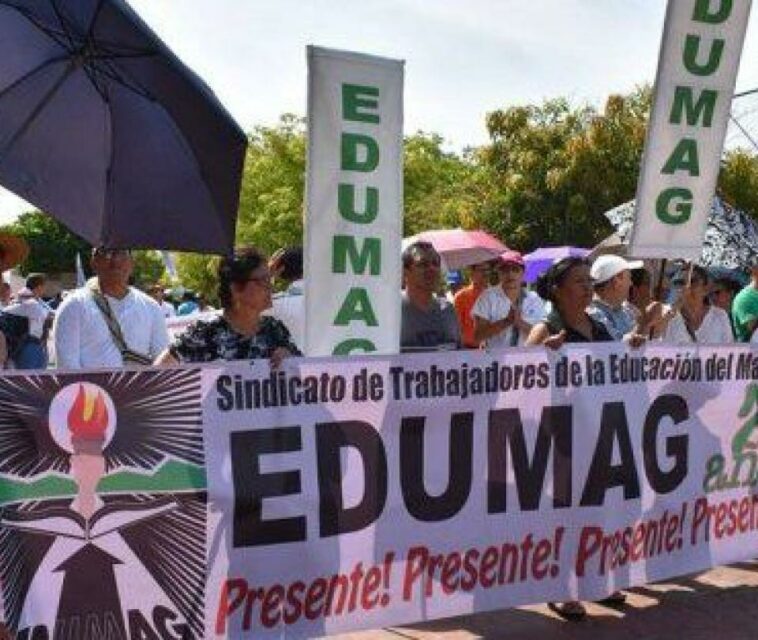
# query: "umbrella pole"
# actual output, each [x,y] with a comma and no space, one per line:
[659,285]
[658,292]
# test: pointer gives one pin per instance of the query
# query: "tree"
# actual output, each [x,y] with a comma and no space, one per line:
[439,186]
[558,168]
[52,247]
[738,181]
[273,186]
[148,268]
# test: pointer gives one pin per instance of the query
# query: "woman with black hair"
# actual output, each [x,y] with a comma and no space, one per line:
[241,332]
[568,286]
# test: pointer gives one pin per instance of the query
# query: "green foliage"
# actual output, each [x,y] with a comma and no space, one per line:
[52,247]
[546,176]
[273,184]
[148,268]
[557,168]
[438,186]
[198,272]
[738,181]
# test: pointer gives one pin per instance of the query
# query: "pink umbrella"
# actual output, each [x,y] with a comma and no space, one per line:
[460,248]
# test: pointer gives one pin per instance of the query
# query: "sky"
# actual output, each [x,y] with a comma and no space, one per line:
[463,58]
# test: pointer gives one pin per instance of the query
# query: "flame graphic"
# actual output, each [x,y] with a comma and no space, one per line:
[88,416]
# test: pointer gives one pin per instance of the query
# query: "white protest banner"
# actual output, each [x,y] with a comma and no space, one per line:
[700,53]
[230,501]
[354,200]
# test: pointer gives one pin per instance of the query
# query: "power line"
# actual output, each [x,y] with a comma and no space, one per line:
[744,131]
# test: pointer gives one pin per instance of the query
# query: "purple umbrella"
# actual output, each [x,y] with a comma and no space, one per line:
[104,128]
[539,261]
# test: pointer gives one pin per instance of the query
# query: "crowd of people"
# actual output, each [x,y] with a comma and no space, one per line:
[575,300]
[110,323]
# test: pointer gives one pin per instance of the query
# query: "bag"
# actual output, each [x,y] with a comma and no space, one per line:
[129,356]
[15,329]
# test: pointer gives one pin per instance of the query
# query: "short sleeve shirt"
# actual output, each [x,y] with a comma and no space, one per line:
[714,329]
[428,330]
[494,305]
[215,339]
[464,301]
[745,312]
[618,321]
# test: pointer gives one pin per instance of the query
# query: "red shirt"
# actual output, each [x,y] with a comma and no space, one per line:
[464,301]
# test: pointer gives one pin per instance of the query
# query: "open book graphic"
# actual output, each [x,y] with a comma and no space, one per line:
[64,521]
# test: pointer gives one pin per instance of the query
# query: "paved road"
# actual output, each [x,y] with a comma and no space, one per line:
[721,604]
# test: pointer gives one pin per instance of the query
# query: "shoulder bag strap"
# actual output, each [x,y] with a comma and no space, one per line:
[129,356]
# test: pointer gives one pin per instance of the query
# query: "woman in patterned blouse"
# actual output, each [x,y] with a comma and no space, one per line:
[241,332]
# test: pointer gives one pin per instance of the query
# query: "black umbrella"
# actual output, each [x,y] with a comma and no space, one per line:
[731,236]
[103,127]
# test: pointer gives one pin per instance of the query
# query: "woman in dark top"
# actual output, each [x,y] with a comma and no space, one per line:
[568,286]
[241,332]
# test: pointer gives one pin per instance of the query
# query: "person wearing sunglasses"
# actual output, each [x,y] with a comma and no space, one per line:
[108,323]
[241,331]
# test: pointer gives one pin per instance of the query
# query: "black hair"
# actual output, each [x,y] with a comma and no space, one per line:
[555,276]
[409,254]
[698,273]
[725,282]
[640,276]
[237,269]
[34,280]
[290,261]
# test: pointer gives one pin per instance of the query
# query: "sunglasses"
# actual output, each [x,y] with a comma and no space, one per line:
[112,254]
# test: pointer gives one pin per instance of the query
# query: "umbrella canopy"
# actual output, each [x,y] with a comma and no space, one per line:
[104,128]
[460,248]
[731,236]
[540,260]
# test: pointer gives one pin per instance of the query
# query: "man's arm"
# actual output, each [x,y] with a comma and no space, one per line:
[485,329]
[159,333]
[67,332]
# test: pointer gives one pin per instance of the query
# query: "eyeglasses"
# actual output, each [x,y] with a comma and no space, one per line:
[427,262]
[509,267]
[264,281]
[112,254]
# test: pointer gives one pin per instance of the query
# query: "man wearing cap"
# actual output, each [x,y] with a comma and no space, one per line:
[504,314]
[612,280]
[108,323]
[745,307]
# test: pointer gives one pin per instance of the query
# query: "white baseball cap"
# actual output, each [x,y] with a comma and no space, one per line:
[605,267]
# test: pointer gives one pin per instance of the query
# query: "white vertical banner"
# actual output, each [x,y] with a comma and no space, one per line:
[699,58]
[354,203]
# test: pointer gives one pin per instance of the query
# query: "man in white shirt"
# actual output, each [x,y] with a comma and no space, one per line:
[288,306]
[83,338]
[156,293]
[612,280]
[32,352]
[504,314]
